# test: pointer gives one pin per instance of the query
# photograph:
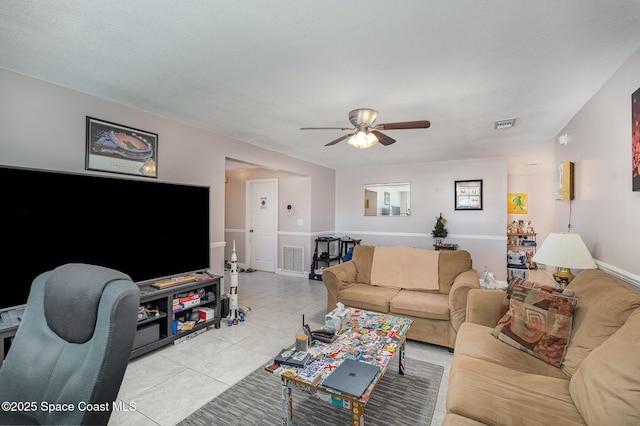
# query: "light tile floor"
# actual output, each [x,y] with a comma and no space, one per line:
[168,384]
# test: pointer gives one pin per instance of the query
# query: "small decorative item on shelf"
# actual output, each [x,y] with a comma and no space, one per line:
[439,232]
[520,227]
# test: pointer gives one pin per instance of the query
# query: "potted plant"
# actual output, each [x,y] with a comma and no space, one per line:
[439,232]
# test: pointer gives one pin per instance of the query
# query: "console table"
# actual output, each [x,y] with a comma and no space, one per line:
[452,247]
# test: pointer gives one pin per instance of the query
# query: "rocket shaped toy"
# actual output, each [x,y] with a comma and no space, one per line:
[233,287]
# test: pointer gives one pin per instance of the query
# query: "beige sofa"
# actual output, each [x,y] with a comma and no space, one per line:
[427,286]
[598,382]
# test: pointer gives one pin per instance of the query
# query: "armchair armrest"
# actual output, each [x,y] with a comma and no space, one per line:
[462,284]
[483,306]
[336,278]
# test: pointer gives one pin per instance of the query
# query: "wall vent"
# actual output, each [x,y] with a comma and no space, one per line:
[505,124]
[292,259]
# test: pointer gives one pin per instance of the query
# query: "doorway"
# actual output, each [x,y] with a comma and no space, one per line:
[262,222]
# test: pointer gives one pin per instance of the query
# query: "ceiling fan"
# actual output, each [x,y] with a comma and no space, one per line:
[364,134]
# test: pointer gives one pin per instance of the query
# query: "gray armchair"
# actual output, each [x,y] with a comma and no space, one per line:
[69,356]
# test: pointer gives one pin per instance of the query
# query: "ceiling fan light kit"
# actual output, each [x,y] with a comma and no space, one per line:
[362,140]
[365,134]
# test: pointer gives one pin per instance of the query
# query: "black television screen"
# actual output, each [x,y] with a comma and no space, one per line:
[145,229]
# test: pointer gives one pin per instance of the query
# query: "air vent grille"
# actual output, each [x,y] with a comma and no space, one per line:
[292,259]
[505,124]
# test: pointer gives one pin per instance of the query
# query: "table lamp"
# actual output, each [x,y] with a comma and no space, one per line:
[564,250]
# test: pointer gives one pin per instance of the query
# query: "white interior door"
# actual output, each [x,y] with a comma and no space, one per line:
[262,209]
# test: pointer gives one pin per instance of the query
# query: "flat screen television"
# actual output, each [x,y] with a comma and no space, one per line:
[146,229]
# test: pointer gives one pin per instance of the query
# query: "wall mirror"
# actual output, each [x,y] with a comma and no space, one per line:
[387,199]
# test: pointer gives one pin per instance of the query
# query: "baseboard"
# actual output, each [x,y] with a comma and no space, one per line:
[620,274]
[279,271]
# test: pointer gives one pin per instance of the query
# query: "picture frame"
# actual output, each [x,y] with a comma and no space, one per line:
[468,194]
[518,203]
[635,141]
[115,148]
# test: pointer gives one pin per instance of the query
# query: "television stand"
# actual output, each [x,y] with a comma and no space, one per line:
[157,328]
[9,322]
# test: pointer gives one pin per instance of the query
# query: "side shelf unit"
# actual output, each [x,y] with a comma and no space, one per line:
[157,330]
[327,253]
[520,250]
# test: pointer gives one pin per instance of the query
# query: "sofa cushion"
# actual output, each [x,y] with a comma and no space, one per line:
[537,322]
[363,259]
[365,296]
[605,386]
[475,340]
[405,267]
[420,305]
[452,263]
[494,394]
[604,304]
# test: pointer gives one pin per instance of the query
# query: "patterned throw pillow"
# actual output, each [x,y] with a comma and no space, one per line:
[537,322]
[521,282]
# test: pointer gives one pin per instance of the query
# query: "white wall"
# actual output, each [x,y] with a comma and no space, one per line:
[482,233]
[43,126]
[605,209]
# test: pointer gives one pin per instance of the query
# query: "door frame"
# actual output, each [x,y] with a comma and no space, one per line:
[248,212]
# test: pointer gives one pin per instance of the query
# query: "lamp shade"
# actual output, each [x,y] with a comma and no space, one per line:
[564,250]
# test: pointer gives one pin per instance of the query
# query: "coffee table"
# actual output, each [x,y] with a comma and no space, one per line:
[370,337]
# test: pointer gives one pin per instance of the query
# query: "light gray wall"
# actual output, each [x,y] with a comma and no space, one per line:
[482,233]
[539,188]
[605,209]
[292,189]
[43,126]
[295,229]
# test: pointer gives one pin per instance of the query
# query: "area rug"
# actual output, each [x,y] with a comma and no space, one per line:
[255,400]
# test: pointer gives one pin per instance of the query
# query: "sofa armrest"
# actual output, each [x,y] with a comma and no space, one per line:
[462,284]
[336,278]
[483,306]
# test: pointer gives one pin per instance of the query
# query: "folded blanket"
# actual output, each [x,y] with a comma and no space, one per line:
[405,267]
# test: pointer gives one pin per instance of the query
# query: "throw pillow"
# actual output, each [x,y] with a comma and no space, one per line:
[537,322]
[524,284]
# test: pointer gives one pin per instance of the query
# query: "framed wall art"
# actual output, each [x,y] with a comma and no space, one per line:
[517,204]
[635,140]
[468,194]
[116,148]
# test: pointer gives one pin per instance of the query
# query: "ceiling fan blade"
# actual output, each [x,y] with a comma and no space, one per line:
[383,139]
[421,124]
[327,128]
[340,139]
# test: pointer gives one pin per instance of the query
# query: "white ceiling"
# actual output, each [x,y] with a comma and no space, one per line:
[258,70]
